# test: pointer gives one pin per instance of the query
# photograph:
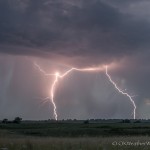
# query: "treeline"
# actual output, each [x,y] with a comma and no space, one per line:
[19,120]
[16,120]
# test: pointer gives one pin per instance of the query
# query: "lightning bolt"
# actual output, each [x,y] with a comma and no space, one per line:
[58,76]
[121,91]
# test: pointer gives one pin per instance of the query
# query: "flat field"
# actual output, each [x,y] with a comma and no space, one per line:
[75,136]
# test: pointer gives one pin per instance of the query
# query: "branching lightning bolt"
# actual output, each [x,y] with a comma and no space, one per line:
[57,76]
[121,91]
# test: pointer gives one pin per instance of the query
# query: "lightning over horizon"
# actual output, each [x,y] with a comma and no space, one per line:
[122,92]
[58,76]
[92,59]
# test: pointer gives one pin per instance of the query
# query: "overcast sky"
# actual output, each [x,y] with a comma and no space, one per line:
[60,34]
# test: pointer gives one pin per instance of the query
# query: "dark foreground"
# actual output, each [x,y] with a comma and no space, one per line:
[76,129]
[74,136]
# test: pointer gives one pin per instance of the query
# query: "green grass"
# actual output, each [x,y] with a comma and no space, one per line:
[72,136]
[32,143]
[78,129]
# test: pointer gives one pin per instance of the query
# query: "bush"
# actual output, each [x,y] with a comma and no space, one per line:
[17,120]
[86,122]
[126,121]
[5,121]
[137,121]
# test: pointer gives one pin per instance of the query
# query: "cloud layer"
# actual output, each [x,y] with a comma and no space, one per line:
[80,31]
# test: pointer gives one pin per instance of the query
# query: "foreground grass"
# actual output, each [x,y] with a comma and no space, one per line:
[84,143]
[74,136]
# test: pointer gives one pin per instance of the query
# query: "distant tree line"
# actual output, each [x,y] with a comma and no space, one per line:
[16,120]
[88,121]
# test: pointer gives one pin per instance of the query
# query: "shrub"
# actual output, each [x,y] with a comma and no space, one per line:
[17,120]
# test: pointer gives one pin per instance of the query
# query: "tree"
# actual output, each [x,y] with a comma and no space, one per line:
[126,121]
[17,120]
[137,121]
[86,122]
[5,120]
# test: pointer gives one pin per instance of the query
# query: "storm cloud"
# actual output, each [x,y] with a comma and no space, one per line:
[84,30]
[61,33]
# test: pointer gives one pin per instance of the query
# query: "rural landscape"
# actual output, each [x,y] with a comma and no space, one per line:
[75,134]
[74,74]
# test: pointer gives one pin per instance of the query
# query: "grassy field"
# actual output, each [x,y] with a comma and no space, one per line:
[59,129]
[87,143]
[75,136]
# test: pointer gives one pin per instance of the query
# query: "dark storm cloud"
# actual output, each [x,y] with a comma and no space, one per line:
[85,29]
[124,3]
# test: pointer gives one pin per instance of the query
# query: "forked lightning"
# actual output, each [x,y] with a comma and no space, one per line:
[57,76]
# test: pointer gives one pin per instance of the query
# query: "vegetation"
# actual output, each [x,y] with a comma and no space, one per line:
[72,135]
[5,120]
[17,120]
[86,122]
[75,129]
[126,121]
[84,143]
